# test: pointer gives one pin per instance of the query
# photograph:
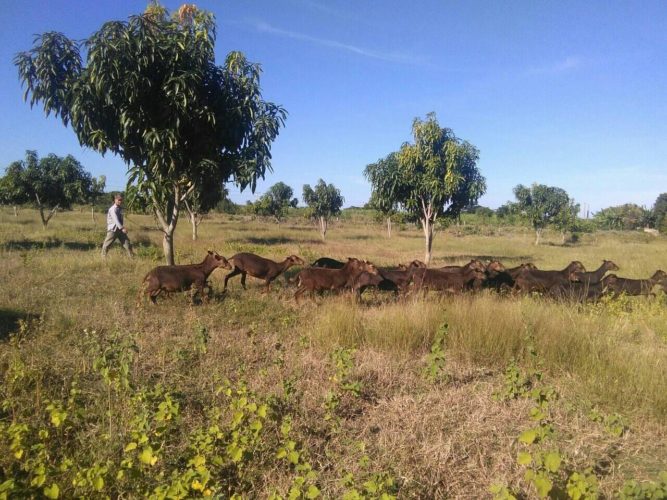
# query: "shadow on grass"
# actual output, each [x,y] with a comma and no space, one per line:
[276,240]
[9,321]
[48,244]
[488,257]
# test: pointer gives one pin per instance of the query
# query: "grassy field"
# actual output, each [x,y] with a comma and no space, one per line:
[250,394]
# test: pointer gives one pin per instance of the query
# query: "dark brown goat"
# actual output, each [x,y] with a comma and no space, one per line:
[619,285]
[446,281]
[504,280]
[536,280]
[578,291]
[312,279]
[474,264]
[259,267]
[328,263]
[184,277]
[390,279]
[595,276]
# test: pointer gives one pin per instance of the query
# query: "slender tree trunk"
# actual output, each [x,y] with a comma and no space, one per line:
[538,235]
[323,227]
[45,219]
[427,226]
[41,215]
[388,227]
[168,221]
[16,212]
[195,219]
[562,241]
[92,212]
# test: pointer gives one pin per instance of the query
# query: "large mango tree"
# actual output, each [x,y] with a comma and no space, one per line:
[149,90]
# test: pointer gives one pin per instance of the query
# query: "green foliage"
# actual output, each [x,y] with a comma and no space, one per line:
[323,202]
[517,384]
[152,94]
[660,212]
[614,424]
[582,486]
[276,201]
[49,183]
[626,217]
[501,492]
[435,368]
[435,176]
[648,490]
[543,205]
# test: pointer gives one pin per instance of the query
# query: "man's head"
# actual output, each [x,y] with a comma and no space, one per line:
[118,199]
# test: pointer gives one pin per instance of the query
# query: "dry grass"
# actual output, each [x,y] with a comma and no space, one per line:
[449,439]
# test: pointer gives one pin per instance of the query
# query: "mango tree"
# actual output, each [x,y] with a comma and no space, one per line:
[276,201]
[434,177]
[151,92]
[49,183]
[323,202]
[542,205]
[383,174]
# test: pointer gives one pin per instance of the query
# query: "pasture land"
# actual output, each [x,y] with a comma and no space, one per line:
[252,394]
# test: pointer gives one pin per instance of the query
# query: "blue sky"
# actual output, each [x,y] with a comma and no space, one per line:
[570,94]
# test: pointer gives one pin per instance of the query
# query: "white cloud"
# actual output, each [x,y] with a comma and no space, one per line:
[396,57]
[568,64]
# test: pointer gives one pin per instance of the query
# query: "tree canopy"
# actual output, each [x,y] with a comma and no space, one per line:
[323,202]
[49,183]
[660,212]
[276,201]
[436,176]
[623,217]
[543,205]
[151,92]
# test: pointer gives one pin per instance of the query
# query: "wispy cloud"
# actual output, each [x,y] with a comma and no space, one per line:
[568,64]
[396,57]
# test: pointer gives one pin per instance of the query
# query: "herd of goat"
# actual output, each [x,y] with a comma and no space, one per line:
[573,282]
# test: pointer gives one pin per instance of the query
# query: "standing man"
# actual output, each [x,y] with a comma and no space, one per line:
[115,228]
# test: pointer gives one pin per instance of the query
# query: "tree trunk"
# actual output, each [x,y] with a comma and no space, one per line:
[194,228]
[45,219]
[16,212]
[427,225]
[168,247]
[538,235]
[323,227]
[92,212]
[388,227]
[168,221]
[562,241]
[195,219]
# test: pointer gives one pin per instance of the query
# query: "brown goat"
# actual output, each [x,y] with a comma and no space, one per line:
[504,280]
[393,280]
[536,280]
[578,291]
[314,279]
[628,286]
[183,277]
[446,281]
[595,276]
[259,267]
[474,264]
